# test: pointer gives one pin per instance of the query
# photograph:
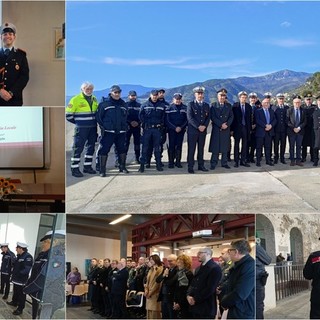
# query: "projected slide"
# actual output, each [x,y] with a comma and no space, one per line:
[21,137]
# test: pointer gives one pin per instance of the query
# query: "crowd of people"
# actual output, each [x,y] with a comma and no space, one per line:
[171,289]
[254,126]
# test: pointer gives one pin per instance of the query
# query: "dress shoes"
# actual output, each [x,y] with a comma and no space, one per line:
[90,171]
[270,163]
[190,170]
[77,173]
[5,297]
[283,161]
[299,163]
[17,312]
[275,161]
[226,166]
[244,164]
[258,164]
[236,165]
[303,160]
[11,303]
[212,167]
[202,168]
[148,165]
[292,163]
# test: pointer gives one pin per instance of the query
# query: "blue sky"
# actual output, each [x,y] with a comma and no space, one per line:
[167,44]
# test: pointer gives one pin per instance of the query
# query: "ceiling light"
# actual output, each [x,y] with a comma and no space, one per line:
[124,217]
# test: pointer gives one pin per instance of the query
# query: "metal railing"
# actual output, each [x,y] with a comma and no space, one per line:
[289,280]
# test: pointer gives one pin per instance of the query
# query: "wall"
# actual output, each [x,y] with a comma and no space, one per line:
[56,172]
[35,22]
[80,248]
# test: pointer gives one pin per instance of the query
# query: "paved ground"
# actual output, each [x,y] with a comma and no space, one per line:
[295,307]
[278,189]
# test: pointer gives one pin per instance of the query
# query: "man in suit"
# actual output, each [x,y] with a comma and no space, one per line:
[265,121]
[296,122]
[198,115]
[280,129]
[201,294]
[221,116]
[241,128]
[255,104]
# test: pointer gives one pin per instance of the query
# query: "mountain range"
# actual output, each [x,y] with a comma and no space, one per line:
[282,81]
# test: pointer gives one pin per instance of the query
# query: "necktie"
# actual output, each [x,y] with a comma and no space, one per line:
[243,114]
[266,112]
[6,52]
[297,119]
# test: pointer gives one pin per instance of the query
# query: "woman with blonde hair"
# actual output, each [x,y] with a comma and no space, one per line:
[152,288]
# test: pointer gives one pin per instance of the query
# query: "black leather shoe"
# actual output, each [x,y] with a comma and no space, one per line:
[303,160]
[258,164]
[5,297]
[275,161]
[90,171]
[141,169]
[202,168]
[148,165]
[292,163]
[315,164]
[283,161]
[190,170]
[11,303]
[17,312]
[226,166]
[244,164]
[270,164]
[236,165]
[77,173]
[159,168]
[212,167]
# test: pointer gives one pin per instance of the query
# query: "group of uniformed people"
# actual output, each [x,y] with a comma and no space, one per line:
[254,126]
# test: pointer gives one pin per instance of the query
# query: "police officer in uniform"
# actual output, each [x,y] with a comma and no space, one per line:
[14,68]
[152,117]
[134,125]
[35,284]
[255,104]
[20,274]
[311,271]
[316,128]
[81,111]
[308,137]
[8,259]
[280,129]
[198,115]
[112,119]
[176,119]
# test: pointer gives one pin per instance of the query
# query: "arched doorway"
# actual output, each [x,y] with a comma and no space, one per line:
[296,245]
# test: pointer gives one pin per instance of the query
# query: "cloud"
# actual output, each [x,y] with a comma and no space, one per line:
[142,62]
[216,64]
[290,43]
[285,24]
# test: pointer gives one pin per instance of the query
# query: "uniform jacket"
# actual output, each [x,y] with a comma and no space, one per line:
[261,122]
[21,268]
[262,260]
[80,112]
[14,75]
[311,271]
[281,117]
[198,116]
[240,293]
[220,139]
[291,121]
[203,289]
[308,137]
[8,260]
[152,114]
[119,282]
[152,288]
[133,108]
[176,116]
[112,115]
[35,284]
[237,119]
[316,127]
[167,283]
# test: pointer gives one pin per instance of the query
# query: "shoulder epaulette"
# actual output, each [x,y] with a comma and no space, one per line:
[18,49]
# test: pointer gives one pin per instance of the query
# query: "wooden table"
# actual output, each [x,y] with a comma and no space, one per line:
[40,191]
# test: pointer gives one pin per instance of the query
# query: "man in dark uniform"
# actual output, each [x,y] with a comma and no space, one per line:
[198,115]
[241,127]
[221,116]
[8,260]
[311,271]
[308,137]
[134,125]
[20,274]
[14,68]
[112,119]
[297,120]
[316,128]
[176,120]
[255,104]
[280,129]
[152,117]
[161,98]
[35,285]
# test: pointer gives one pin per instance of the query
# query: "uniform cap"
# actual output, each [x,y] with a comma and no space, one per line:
[318,96]
[280,95]
[199,89]
[154,92]
[4,245]
[57,234]
[8,27]
[161,90]
[22,245]
[242,93]
[177,95]
[222,91]
[308,95]
[132,93]
[253,95]
[296,96]
[267,94]
[115,88]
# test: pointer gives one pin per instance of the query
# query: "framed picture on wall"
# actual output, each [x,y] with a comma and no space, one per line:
[87,264]
[59,44]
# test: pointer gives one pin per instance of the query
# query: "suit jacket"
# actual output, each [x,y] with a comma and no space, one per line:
[237,119]
[203,289]
[291,116]
[197,115]
[281,116]
[261,122]
[167,283]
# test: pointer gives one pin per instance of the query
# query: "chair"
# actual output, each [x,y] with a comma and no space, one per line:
[77,294]
[135,299]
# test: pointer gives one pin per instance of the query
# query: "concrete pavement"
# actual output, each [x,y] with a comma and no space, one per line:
[278,189]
